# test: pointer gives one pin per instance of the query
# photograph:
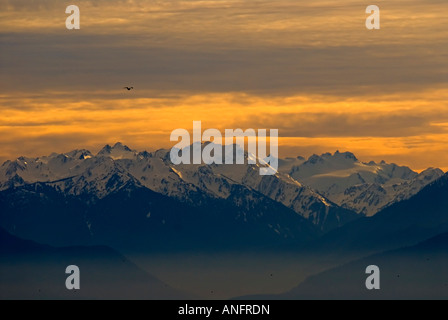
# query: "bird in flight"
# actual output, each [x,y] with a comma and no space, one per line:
[128,88]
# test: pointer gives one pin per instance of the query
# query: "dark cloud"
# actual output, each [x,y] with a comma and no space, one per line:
[268,48]
[94,62]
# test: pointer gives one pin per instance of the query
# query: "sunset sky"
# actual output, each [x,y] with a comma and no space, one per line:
[308,68]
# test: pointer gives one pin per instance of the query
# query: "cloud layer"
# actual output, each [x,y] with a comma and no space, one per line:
[310,69]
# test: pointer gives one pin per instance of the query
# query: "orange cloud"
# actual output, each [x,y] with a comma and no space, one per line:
[306,124]
[310,69]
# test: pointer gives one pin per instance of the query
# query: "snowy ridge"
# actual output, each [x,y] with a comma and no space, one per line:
[363,187]
[318,188]
[81,173]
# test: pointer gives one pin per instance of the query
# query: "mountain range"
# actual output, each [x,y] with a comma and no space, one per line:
[332,209]
[404,223]
[365,188]
[127,198]
[414,272]
[29,270]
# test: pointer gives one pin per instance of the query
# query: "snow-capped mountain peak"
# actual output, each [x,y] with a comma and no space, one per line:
[363,187]
[79,154]
[118,151]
